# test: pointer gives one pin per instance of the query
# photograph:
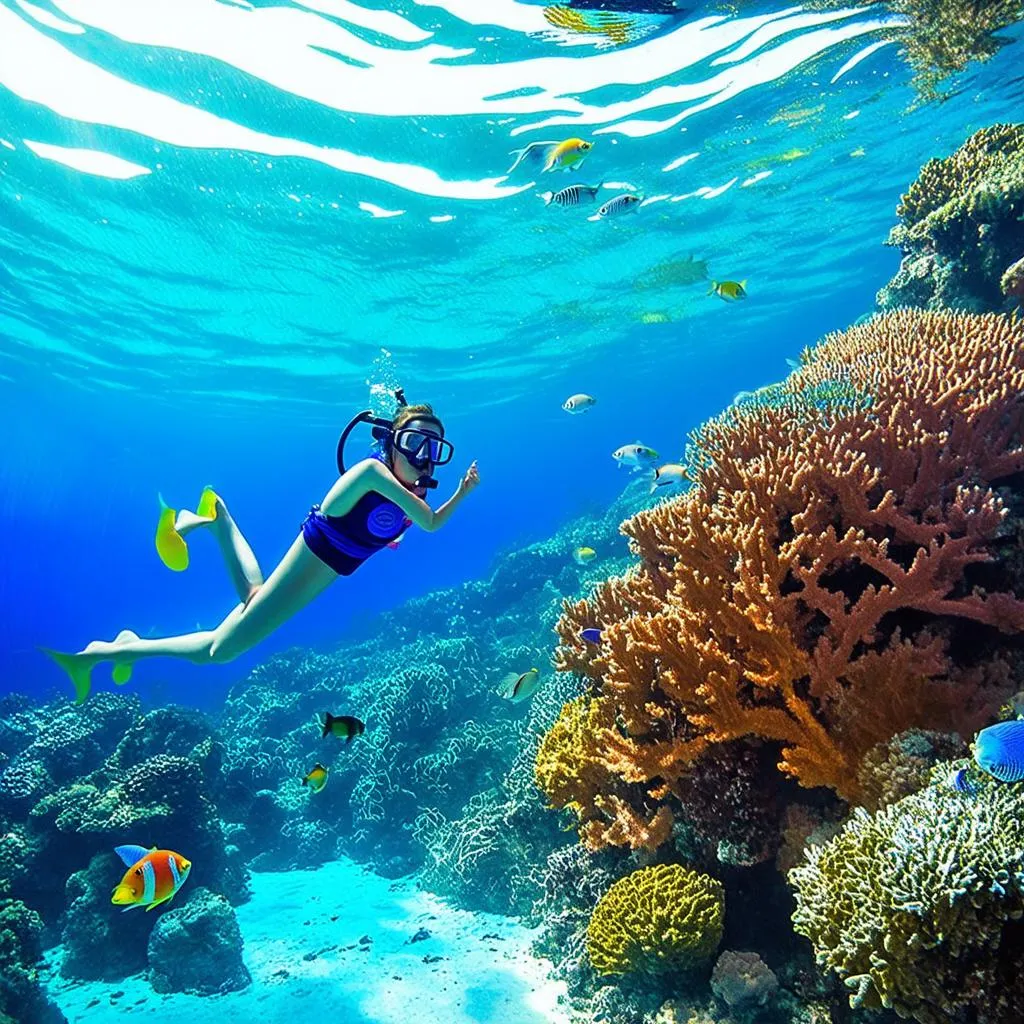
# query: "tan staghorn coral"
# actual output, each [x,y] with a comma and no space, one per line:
[657,919]
[807,589]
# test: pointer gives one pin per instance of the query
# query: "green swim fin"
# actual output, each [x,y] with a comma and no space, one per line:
[170,545]
[78,668]
[207,507]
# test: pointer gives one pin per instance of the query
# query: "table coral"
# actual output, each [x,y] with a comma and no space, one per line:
[918,906]
[657,919]
[960,226]
[809,588]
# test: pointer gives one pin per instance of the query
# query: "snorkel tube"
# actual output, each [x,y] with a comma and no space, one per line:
[381,431]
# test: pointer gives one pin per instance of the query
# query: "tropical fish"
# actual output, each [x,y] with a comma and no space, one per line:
[565,155]
[317,778]
[999,751]
[572,195]
[670,273]
[518,687]
[579,403]
[669,477]
[730,291]
[343,726]
[676,7]
[583,555]
[636,455]
[591,635]
[962,782]
[623,203]
[152,878]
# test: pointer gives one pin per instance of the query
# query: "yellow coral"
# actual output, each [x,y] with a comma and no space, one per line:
[657,919]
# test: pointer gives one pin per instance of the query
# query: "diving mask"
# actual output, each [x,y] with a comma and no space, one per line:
[422,447]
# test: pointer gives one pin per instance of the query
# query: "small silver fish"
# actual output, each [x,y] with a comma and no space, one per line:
[573,195]
[628,201]
[578,403]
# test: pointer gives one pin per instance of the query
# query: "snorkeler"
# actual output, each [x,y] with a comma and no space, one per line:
[369,507]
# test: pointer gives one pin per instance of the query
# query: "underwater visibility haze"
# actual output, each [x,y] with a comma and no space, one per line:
[683,681]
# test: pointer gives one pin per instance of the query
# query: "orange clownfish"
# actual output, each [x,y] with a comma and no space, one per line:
[152,878]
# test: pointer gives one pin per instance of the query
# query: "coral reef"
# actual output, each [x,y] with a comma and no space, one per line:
[961,230]
[657,919]
[810,590]
[21,999]
[942,37]
[918,906]
[197,948]
[743,979]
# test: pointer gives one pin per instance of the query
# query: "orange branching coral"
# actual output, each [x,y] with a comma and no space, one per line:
[809,588]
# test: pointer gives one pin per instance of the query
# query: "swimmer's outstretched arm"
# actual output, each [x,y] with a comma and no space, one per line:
[371,475]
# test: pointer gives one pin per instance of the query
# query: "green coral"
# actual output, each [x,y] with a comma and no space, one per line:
[915,907]
[657,919]
[961,226]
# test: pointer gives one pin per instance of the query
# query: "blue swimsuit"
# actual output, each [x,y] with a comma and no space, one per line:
[345,542]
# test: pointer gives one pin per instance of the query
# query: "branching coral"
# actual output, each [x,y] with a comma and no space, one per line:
[917,907]
[961,226]
[657,919]
[808,588]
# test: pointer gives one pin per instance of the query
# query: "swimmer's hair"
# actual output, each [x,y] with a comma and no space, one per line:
[413,412]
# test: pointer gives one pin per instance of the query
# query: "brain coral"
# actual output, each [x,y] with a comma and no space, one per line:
[808,589]
[918,906]
[656,919]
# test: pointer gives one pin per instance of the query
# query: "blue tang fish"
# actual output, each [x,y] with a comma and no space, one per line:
[592,636]
[999,750]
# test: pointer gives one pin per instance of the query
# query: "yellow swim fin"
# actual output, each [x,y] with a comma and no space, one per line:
[170,545]
[207,507]
[78,668]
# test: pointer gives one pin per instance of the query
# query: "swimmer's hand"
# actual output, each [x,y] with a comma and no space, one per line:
[470,480]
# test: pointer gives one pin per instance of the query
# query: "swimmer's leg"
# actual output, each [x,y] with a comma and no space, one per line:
[299,578]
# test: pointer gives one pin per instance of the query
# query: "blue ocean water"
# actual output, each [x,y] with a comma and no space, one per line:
[226,227]
[221,221]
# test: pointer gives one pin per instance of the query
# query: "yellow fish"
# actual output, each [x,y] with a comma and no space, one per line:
[565,155]
[730,291]
[317,778]
[582,555]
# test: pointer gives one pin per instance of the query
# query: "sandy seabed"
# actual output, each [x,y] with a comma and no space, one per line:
[302,932]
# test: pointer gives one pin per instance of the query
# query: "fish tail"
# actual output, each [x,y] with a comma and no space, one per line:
[78,668]
[328,718]
[713,288]
[547,197]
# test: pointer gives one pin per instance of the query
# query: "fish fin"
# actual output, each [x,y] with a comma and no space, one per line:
[78,668]
[131,855]
[743,284]
[712,288]
[533,151]
[792,364]
[328,719]
[131,906]
[547,197]
[507,686]
[170,545]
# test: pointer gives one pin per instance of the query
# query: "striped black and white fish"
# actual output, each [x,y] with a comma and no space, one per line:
[573,195]
[620,204]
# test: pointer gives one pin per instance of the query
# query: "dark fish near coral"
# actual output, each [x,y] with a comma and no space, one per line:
[999,751]
[343,726]
[591,635]
[317,778]
[962,782]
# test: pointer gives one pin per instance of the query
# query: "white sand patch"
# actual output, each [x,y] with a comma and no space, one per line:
[322,915]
